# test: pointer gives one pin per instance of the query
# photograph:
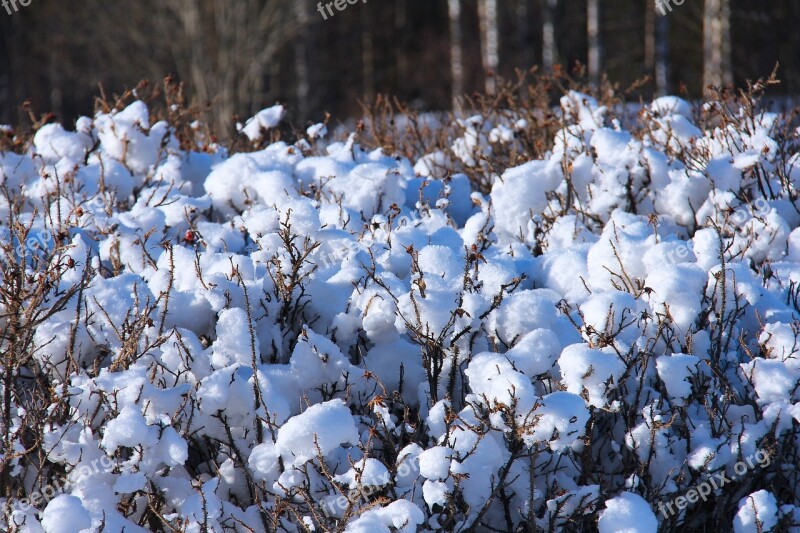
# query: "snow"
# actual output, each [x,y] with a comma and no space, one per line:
[595,371]
[434,463]
[127,429]
[521,191]
[368,472]
[65,514]
[379,343]
[320,429]
[435,493]
[560,420]
[401,516]
[676,371]
[266,119]
[757,512]
[263,460]
[669,105]
[317,131]
[627,513]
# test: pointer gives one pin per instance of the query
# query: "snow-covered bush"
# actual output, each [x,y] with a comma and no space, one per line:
[322,336]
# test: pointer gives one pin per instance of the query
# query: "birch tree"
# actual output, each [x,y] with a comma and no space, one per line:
[656,45]
[549,48]
[593,39]
[717,43]
[303,84]
[456,53]
[487,12]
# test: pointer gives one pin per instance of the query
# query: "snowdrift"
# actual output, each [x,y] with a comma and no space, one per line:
[320,337]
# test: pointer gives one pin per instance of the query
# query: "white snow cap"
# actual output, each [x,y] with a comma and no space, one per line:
[627,513]
[757,512]
[65,514]
[325,425]
[268,320]
[266,119]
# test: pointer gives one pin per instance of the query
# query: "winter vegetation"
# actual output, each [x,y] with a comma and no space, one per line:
[552,310]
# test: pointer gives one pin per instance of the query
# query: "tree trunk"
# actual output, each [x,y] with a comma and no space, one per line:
[303,84]
[400,50]
[12,60]
[487,12]
[549,48]
[214,48]
[523,34]
[650,35]
[662,54]
[456,53]
[367,57]
[656,45]
[593,39]
[716,43]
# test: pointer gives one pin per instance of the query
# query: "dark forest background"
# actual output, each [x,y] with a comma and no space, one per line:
[242,55]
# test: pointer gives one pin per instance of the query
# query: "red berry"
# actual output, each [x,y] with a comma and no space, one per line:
[189,236]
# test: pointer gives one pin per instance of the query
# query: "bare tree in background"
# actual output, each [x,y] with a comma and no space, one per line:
[401,40]
[6,69]
[593,39]
[38,59]
[367,57]
[717,43]
[456,52]
[490,59]
[662,55]
[301,69]
[242,55]
[225,47]
[223,50]
[523,34]
[549,49]
[656,45]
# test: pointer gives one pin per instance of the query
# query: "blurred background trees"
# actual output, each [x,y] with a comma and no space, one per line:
[239,56]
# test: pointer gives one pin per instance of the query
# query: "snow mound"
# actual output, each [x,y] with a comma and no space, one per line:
[318,335]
